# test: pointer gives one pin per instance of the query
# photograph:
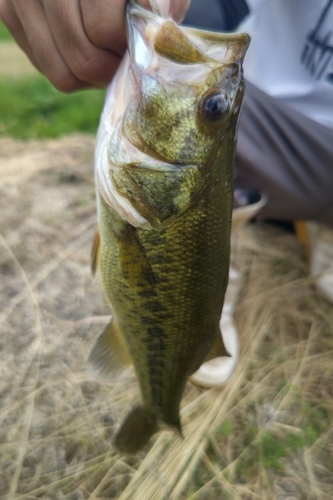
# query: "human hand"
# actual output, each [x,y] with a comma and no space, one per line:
[75,43]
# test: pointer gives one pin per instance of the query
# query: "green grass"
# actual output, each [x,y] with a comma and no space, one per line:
[4,33]
[32,108]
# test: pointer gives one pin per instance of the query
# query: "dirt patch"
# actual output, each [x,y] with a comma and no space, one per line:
[265,436]
[20,160]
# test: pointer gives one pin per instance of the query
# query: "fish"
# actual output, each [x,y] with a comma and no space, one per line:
[164,186]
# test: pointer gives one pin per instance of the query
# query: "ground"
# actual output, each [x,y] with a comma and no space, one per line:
[266,435]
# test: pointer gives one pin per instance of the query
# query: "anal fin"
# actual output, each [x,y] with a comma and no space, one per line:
[109,356]
[218,350]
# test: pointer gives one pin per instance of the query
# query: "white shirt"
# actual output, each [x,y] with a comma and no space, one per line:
[291,53]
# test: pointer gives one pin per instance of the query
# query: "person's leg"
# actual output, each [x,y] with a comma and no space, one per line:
[290,158]
[286,156]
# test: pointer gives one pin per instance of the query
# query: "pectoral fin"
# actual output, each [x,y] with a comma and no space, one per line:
[134,261]
[95,252]
[109,355]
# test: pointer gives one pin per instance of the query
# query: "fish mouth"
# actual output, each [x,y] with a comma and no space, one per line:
[184,53]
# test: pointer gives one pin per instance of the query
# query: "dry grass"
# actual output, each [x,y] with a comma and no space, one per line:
[267,435]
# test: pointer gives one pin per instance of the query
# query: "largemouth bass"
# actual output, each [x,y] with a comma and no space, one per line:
[164,178]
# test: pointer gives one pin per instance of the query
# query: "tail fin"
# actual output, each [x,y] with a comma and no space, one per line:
[135,432]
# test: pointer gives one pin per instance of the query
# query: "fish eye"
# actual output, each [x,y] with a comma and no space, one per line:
[213,106]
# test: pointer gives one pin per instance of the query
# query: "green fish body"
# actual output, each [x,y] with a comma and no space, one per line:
[164,177]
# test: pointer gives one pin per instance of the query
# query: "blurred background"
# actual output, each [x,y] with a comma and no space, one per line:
[30,108]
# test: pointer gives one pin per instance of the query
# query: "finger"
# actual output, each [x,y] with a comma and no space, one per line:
[12,22]
[86,61]
[160,7]
[178,9]
[104,23]
[32,17]
[173,8]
